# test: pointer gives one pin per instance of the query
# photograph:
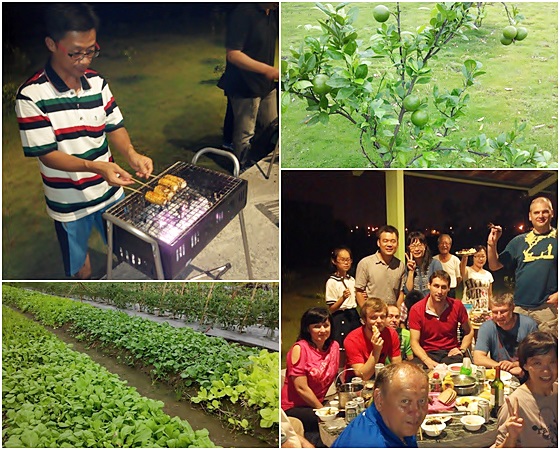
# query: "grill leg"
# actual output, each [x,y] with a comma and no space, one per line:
[245,245]
[109,250]
[157,261]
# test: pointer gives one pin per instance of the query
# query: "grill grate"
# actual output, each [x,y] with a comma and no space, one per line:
[185,225]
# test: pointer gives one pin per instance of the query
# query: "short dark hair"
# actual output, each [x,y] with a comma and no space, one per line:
[385,376]
[442,275]
[337,250]
[317,314]
[61,18]
[412,298]
[387,229]
[535,344]
[481,248]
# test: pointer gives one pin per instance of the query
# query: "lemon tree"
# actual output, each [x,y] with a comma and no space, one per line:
[377,101]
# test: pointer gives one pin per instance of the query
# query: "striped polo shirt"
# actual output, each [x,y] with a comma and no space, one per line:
[51,117]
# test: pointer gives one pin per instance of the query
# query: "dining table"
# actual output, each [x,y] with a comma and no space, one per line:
[455,435]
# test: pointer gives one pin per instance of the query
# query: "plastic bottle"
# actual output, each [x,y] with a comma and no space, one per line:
[466,368]
[436,382]
[497,393]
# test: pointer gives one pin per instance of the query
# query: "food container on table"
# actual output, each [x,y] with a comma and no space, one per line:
[465,384]
[472,422]
[348,391]
[327,413]
[433,427]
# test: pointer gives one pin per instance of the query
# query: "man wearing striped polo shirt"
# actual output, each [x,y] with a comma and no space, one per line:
[67,116]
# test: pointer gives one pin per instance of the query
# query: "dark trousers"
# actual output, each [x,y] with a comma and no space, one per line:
[440,356]
[310,423]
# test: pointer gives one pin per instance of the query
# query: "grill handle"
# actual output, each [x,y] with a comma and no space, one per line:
[217,151]
[231,156]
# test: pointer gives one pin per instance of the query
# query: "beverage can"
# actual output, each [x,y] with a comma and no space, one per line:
[378,368]
[361,404]
[356,380]
[350,411]
[484,409]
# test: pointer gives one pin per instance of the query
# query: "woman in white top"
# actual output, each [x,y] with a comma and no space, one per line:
[477,281]
[341,295]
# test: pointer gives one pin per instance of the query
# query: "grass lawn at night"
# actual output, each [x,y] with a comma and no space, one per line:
[520,82]
[164,81]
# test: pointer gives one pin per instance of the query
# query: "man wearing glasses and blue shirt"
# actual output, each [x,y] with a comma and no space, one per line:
[67,117]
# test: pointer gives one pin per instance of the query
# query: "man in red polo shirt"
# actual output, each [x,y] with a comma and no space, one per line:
[373,342]
[433,324]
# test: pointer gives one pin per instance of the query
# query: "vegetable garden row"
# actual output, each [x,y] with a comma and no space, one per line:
[55,397]
[238,383]
[233,306]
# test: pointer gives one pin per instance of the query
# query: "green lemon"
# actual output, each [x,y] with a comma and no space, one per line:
[381,13]
[505,40]
[419,118]
[320,85]
[411,102]
[521,34]
[509,32]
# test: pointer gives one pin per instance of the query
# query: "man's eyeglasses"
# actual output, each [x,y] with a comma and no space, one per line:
[78,56]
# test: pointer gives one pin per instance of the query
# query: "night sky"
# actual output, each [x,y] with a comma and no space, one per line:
[320,207]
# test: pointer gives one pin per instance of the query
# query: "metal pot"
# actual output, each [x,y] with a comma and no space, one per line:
[465,384]
[348,391]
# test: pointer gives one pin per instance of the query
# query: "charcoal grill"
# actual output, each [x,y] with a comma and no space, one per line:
[161,241]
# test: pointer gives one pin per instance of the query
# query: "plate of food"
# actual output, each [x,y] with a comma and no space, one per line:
[504,376]
[454,368]
[467,403]
[466,252]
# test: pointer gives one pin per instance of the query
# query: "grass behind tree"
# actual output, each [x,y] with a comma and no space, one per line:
[521,82]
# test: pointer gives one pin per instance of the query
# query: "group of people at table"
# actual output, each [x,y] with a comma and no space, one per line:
[409,321]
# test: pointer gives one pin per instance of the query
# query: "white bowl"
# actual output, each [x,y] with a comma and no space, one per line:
[432,429]
[472,422]
[327,413]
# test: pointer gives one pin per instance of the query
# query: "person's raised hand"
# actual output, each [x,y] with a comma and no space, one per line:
[376,339]
[514,423]
[410,263]
[494,235]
